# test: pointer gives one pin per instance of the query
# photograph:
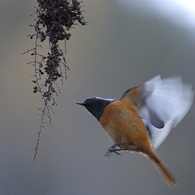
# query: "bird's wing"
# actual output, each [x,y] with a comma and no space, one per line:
[162,104]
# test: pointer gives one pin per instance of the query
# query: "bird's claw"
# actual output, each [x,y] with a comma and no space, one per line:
[114,149]
[109,152]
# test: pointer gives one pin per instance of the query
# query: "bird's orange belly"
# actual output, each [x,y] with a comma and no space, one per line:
[123,125]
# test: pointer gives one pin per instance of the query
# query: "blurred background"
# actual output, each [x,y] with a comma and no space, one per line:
[124,44]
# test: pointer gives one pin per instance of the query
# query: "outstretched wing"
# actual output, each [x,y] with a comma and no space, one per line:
[162,104]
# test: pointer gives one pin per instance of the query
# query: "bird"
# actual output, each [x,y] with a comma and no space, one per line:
[142,118]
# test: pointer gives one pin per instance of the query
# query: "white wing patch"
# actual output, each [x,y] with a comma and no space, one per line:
[166,102]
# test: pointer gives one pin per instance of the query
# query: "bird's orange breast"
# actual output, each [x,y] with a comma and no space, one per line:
[123,124]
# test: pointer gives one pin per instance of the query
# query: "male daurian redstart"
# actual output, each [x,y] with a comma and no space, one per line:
[141,119]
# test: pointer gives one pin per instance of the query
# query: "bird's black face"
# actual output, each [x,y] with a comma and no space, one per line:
[96,105]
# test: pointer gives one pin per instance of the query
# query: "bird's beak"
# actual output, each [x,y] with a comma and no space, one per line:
[81,103]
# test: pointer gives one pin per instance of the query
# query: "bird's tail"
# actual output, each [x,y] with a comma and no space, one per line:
[160,166]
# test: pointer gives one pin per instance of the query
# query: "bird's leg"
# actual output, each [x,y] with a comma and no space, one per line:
[114,149]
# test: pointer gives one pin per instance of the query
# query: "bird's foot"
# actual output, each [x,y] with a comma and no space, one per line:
[115,150]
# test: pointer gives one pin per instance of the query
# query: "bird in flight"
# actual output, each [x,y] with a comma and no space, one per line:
[142,118]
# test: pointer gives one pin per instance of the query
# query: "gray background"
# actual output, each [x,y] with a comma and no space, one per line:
[118,49]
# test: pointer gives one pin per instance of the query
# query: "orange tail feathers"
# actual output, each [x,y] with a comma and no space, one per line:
[160,166]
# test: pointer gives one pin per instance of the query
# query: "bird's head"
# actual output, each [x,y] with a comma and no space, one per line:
[96,105]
